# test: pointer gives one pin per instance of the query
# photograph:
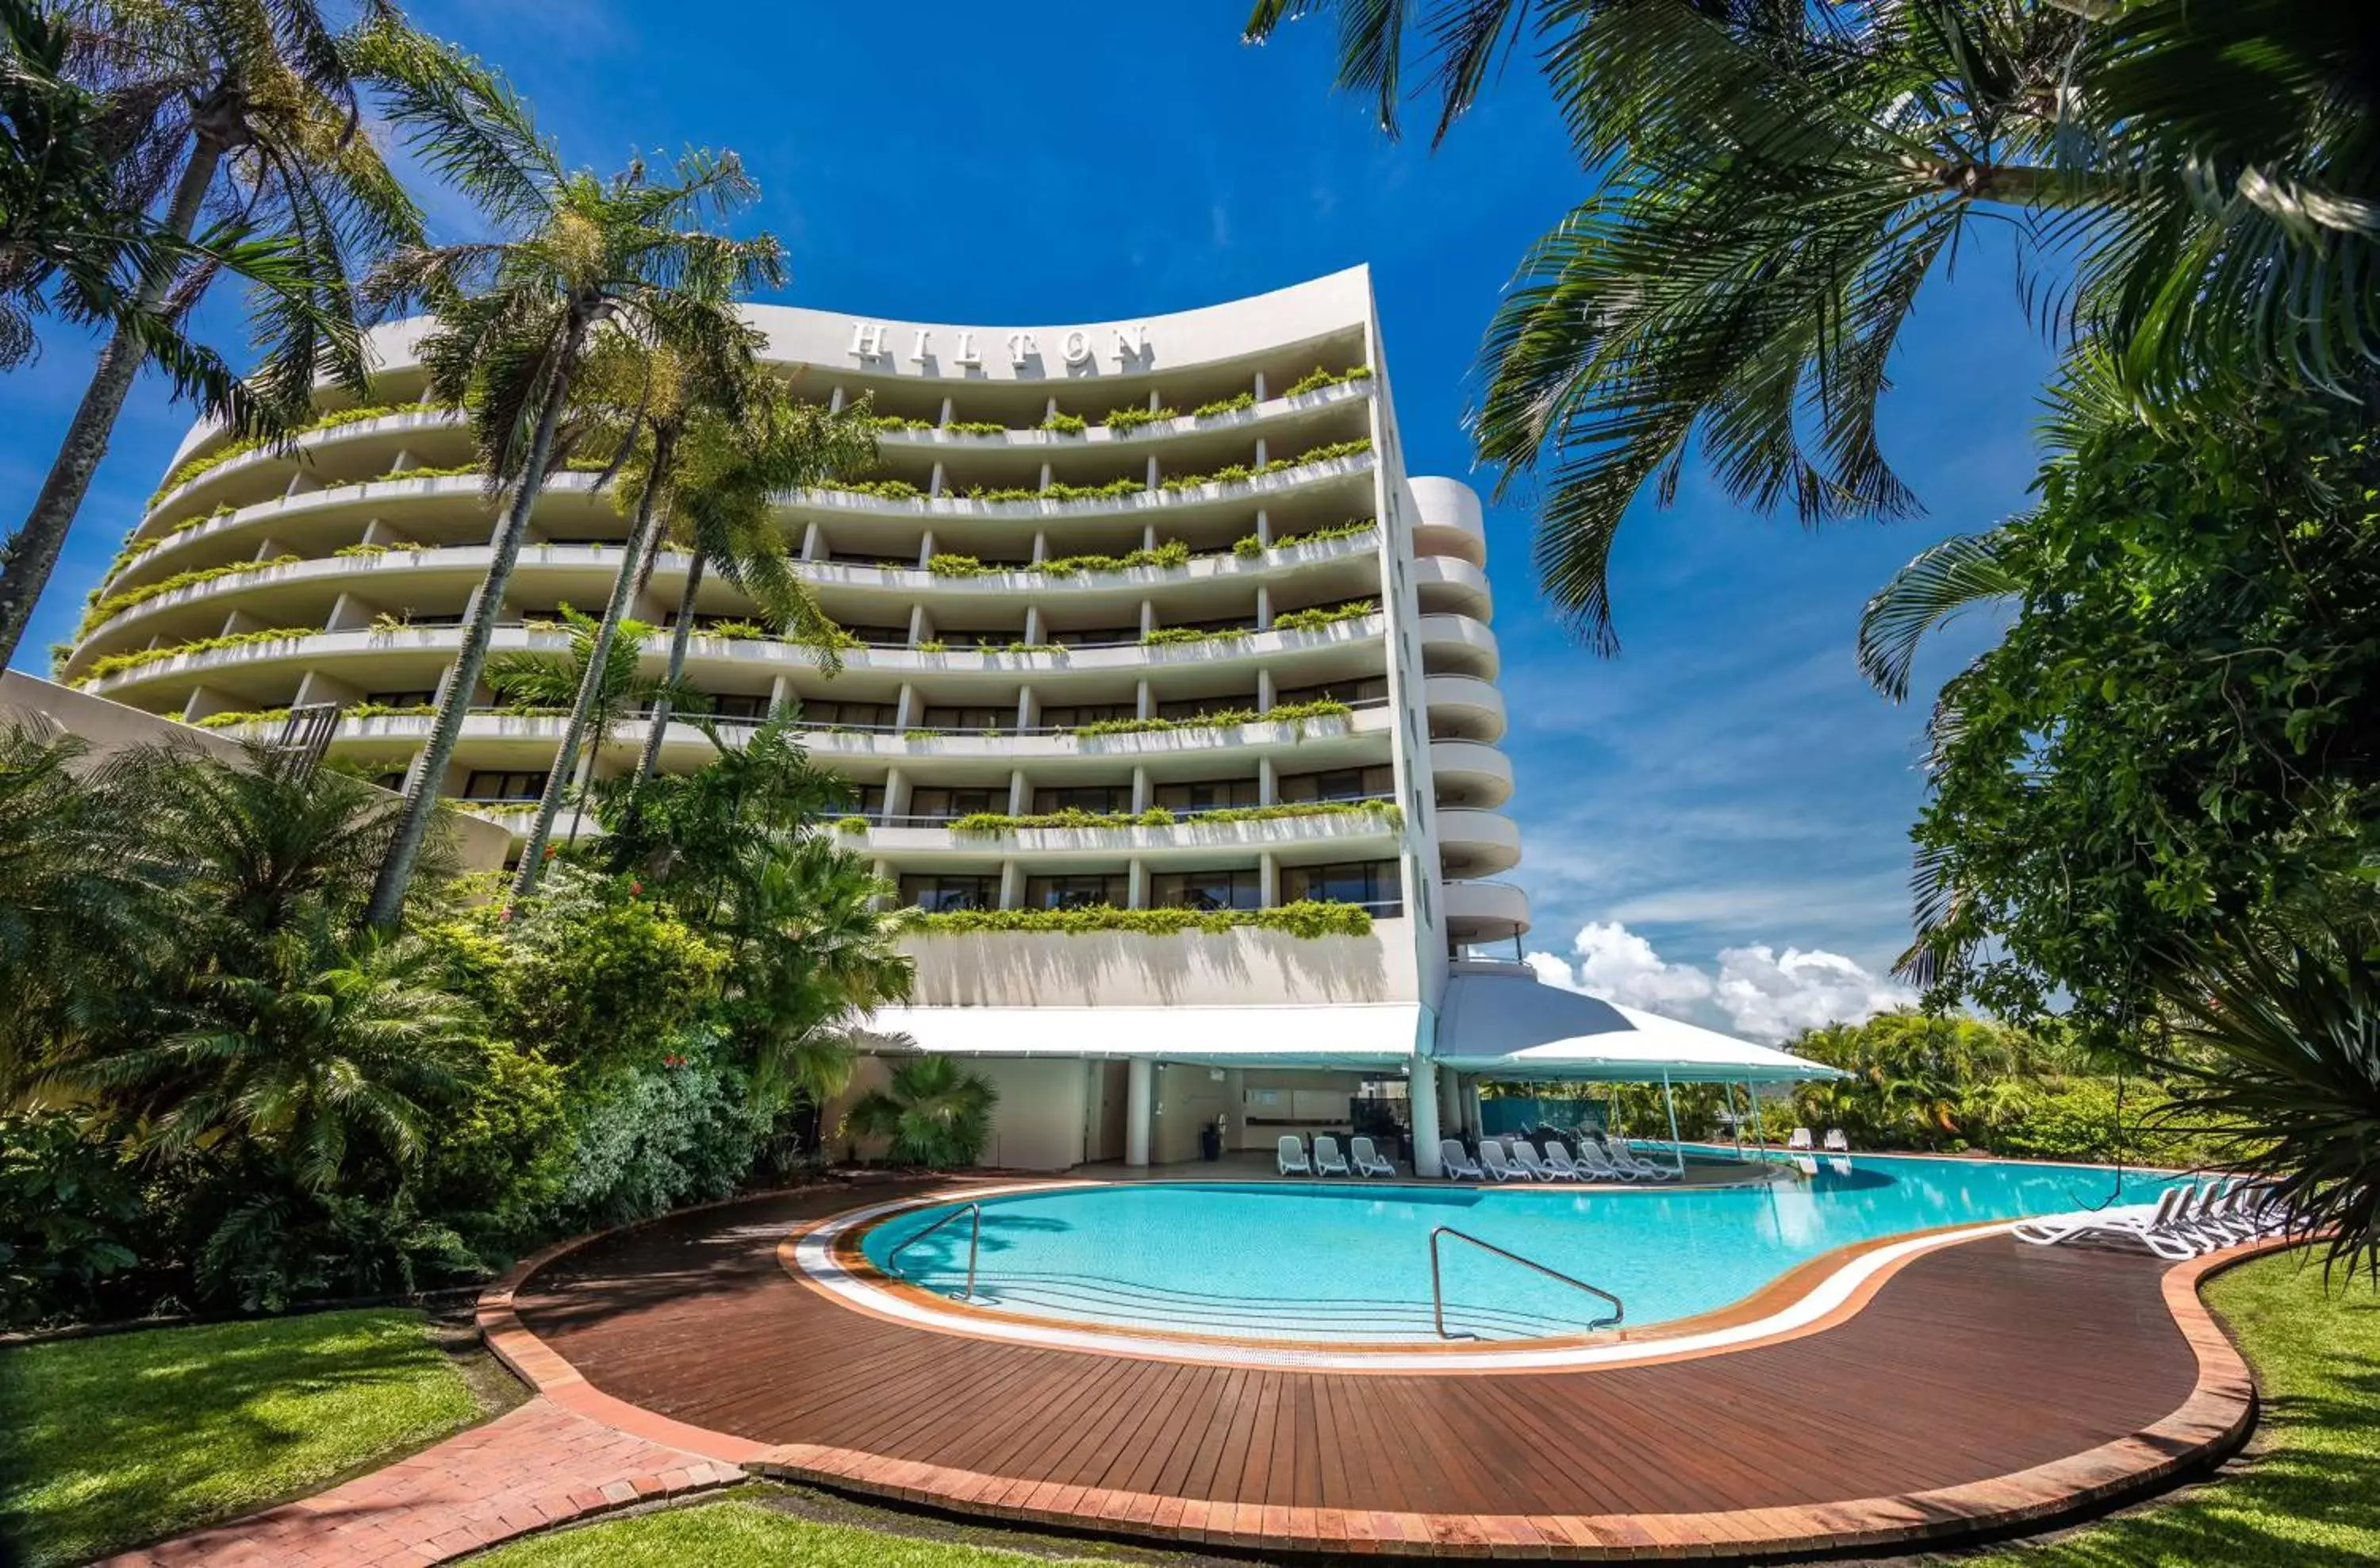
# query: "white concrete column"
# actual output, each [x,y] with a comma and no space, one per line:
[1153,481]
[1263,451]
[1449,1102]
[1137,887]
[943,422]
[924,550]
[1268,689]
[782,695]
[1035,629]
[813,542]
[1044,476]
[904,710]
[1471,1118]
[1040,545]
[1235,1106]
[1259,387]
[834,403]
[1264,608]
[1020,792]
[1267,782]
[1264,528]
[896,792]
[1144,701]
[1139,1108]
[934,486]
[1421,1097]
[921,624]
[1269,879]
[1142,791]
[1011,884]
[1029,709]
[1147,617]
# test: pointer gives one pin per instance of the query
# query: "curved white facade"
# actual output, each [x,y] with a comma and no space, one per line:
[974,683]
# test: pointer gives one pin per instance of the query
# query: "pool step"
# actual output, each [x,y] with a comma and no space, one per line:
[1092,1298]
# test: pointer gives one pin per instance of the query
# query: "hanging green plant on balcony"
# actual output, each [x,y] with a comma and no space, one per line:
[1306,918]
[1319,378]
[883,490]
[851,825]
[1066,424]
[896,421]
[1251,547]
[949,565]
[116,663]
[1122,420]
[975,427]
[1323,615]
[1232,405]
[116,603]
[207,463]
[998,823]
[1161,637]
[1296,714]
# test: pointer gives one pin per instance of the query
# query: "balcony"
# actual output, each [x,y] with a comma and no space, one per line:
[1458,645]
[924,841]
[1473,843]
[1448,520]
[1463,708]
[1468,774]
[1447,584]
[1485,911]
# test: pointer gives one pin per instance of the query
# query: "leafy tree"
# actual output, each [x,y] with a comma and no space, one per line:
[2182,727]
[256,101]
[722,490]
[599,683]
[80,921]
[933,1110]
[516,317]
[675,415]
[1778,179]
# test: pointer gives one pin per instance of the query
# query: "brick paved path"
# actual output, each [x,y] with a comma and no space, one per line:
[539,1464]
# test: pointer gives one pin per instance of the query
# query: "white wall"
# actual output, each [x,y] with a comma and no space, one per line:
[1127,968]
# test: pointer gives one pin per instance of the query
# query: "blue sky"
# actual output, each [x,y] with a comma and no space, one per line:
[1727,785]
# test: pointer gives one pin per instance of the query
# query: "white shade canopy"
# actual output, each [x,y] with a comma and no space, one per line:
[1516,1028]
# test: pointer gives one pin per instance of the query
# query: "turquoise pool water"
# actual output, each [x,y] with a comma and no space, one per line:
[1345,1262]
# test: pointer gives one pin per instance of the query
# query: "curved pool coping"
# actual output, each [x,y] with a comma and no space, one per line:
[2210,1424]
[827,1257]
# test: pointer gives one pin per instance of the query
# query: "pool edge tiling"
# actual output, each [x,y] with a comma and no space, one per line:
[1979,1387]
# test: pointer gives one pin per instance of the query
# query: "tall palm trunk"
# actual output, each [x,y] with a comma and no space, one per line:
[651,761]
[32,554]
[455,703]
[590,679]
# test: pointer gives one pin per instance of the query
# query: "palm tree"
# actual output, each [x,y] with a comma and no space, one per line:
[81,920]
[2277,1043]
[935,1113]
[730,468]
[1780,180]
[673,414]
[333,1051]
[578,256]
[597,682]
[257,99]
[817,942]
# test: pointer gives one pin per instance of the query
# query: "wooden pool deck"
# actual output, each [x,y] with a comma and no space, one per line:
[1979,1387]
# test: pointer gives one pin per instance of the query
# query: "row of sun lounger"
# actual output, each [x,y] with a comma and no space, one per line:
[1599,1159]
[2183,1223]
[1327,1161]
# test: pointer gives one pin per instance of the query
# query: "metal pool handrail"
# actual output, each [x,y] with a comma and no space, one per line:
[1438,1294]
[975,1244]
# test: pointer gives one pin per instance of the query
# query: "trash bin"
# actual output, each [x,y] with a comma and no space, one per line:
[1210,1144]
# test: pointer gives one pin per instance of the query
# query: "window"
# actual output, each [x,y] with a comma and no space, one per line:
[1354,693]
[950,893]
[1342,783]
[1193,707]
[1111,889]
[1084,797]
[871,800]
[971,717]
[1373,883]
[401,698]
[1206,890]
[1090,637]
[1083,713]
[851,715]
[503,786]
[1208,795]
[943,804]
[738,706]
[881,636]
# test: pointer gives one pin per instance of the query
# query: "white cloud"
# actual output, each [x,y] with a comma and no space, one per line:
[1617,965]
[1770,996]
[1760,992]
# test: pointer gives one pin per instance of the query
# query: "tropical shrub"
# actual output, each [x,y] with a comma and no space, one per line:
[677,1125]
[1122,420]
[933,1111]
[1319,378]
[70,1211]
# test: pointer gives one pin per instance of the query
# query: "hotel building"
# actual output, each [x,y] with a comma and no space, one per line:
[1281,641]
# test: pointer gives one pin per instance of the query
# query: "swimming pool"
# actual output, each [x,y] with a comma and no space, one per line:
[1348,1263]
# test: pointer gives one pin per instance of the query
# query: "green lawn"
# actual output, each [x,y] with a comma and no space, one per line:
[108,1442]
[737,1534]
[2309,1491]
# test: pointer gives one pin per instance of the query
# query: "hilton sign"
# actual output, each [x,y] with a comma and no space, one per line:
[1078,348]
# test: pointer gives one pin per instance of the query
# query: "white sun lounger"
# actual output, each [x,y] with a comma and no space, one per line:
[1368,1159]
[1454,1163]
[1328,1161]
[1291,1157]
[1835,1142]
[2150,1224]
[1526,1159]
[1629,1163]
[1799,1138]
[1491,1154]
[1559,1161]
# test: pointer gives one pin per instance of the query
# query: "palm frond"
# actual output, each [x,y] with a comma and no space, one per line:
[1958,574]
